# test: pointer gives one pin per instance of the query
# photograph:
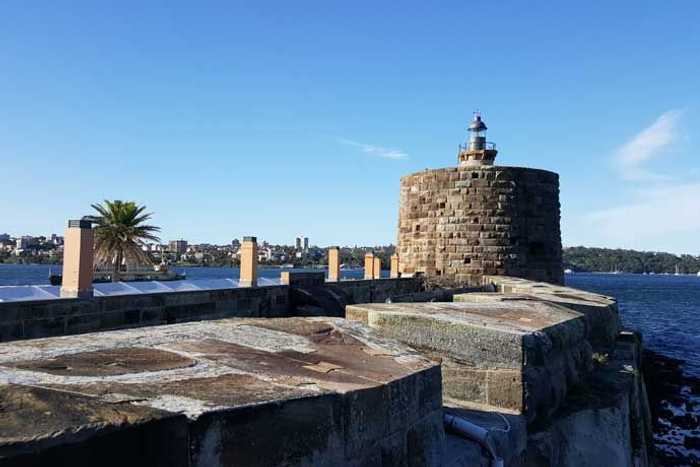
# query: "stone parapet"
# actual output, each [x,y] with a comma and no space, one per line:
[29,319]
[254,392]
[302,279]
[518,357]
[601,312]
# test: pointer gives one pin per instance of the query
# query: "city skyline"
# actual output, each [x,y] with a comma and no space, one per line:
[232,120]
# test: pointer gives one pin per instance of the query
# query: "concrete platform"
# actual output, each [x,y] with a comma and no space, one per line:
[517,357]
[254,392]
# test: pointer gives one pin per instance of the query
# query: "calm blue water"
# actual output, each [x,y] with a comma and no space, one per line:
[666,309]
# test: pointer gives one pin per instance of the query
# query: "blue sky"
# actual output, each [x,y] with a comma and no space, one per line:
[278,118]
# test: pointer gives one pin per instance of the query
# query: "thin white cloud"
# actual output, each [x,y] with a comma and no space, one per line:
[664,217]
[660,214]
[378,151]
[652,142]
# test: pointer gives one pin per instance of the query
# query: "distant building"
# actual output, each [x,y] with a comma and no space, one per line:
[306,243]
[179,247]
[56,239]
[25,241]
[5,237]
[297,244]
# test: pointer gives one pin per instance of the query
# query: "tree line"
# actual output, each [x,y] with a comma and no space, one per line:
[583,259]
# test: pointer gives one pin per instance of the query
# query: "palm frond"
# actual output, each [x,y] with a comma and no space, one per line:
[120,232]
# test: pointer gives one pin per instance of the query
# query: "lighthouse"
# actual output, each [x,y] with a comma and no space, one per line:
[459,225]
[477,151]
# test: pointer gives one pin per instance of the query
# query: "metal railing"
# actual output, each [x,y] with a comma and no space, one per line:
[488,146]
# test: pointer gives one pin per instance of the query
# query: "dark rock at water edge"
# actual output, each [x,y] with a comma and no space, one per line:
[674,400]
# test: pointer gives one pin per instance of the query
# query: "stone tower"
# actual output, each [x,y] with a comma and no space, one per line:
[460,223]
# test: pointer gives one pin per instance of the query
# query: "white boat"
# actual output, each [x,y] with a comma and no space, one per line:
[698,273]
[569,271]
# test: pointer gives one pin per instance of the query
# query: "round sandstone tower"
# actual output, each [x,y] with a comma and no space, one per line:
[458,224]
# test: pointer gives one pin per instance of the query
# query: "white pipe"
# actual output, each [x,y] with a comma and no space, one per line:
[473,432]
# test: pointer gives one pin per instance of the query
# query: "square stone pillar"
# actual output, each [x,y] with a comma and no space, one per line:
[249,262]
[369,266]
[334,264]
[377,267]
[394,266]
[78,260]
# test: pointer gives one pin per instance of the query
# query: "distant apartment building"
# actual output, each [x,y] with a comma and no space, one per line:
[25,241]
[5,237]
[179,247]
[306,243]
[297,243]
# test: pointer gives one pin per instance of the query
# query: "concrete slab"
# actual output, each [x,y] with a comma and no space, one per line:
[519,356]
[295,391]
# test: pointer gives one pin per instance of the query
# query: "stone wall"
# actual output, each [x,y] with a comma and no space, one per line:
[44,318]
[458,224]
[377,290]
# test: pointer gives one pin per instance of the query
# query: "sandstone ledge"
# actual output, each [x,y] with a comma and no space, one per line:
[520,357]
[297,391]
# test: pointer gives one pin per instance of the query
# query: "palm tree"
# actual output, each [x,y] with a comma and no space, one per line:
[120,233]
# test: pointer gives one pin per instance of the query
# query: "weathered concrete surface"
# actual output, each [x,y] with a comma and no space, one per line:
[517,356]
[605,421]
[601,312]
[297,391]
